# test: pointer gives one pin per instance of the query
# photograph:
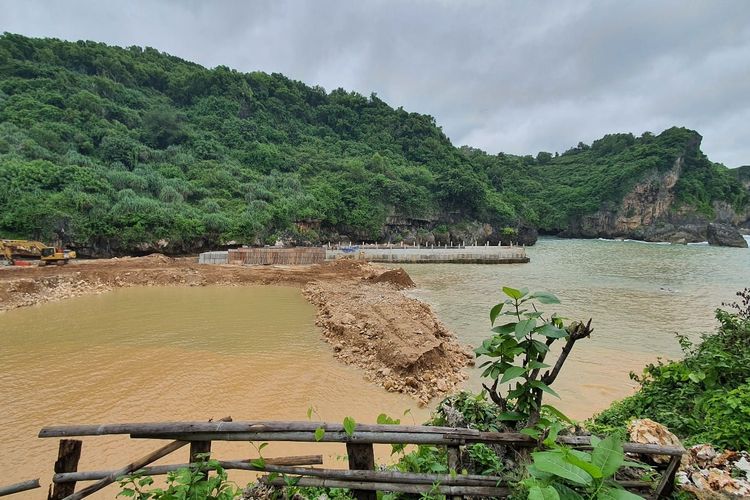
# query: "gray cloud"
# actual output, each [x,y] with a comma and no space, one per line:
[518,77]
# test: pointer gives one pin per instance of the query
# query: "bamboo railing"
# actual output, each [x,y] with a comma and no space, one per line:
[361,477]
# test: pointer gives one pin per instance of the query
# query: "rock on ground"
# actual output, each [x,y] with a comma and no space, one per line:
[647,431]
[709,474]
[725,235]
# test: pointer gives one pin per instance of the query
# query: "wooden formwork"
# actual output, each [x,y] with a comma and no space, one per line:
[278,256]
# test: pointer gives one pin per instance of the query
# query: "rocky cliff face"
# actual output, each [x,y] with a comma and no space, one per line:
[439,231]
[649,212]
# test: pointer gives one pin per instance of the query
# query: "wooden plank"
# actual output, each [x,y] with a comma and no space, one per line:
[358,475]
[361,457]
[19,487]
[294,431]
[131,467]
[68,455]
[330,437]
[485,491]
[144,428]
[666,485]
[453,459]
[360,436]
[164,469]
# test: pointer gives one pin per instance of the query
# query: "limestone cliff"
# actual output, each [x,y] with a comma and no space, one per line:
[652,211]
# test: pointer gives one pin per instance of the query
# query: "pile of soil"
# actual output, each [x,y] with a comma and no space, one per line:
[397,340]
[363,313]
[397,277]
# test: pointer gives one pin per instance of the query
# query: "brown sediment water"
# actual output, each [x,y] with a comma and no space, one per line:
[637,294]
[172,353]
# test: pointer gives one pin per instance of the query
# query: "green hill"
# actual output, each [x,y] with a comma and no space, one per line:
[117,150]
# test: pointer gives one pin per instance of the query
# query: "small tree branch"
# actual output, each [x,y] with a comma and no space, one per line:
[578,332]
[495,396]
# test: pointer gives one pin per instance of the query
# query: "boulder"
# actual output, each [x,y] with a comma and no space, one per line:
[649,432]
[725,235]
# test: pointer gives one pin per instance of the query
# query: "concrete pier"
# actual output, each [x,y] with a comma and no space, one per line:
[419,255]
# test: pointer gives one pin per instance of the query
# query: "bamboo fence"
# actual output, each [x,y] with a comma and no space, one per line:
[361,478]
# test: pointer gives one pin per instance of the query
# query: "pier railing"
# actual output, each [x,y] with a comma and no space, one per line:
[361,478]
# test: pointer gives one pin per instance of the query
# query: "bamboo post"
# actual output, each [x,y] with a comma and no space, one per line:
[361,457]
[667,480]
[453,462]
[68,455]
[199,448]
[19,487]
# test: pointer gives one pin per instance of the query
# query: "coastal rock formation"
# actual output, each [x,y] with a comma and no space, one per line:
[725,235]
[651,211]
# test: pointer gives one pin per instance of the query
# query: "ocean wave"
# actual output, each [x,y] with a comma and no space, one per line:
[627,240]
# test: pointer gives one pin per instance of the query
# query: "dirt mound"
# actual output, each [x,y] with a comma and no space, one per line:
[397,340]
[158,257]
[397,277]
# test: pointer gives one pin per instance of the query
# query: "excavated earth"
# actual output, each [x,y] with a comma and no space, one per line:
[363,313]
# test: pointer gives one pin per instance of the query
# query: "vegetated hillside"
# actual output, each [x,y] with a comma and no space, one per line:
[653,187]
[116,150]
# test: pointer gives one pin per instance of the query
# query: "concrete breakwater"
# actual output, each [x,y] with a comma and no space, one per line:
[417,255]
[411,255]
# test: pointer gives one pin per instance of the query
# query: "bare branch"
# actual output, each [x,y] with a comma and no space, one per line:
[495,396]
[578,332]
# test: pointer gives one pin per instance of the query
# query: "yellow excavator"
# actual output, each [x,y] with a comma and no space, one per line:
[10,250]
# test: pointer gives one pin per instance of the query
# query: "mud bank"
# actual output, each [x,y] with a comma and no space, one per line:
[369,322]
[397,340]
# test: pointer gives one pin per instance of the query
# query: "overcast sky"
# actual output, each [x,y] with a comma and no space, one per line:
[518,77]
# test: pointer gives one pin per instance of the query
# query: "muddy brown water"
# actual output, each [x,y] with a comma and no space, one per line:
[145,354]
[637,294]
[151,354]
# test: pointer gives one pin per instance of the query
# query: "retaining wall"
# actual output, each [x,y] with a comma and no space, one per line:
[467,255]
[213,258]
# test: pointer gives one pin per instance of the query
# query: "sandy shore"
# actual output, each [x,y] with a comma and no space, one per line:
[363,313]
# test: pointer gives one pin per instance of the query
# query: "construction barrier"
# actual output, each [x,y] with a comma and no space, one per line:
[277,256]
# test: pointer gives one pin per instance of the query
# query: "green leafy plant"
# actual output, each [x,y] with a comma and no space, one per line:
[427,459]
[320,432]
[204,480]
[518,349]
[484,459]
[565,473]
